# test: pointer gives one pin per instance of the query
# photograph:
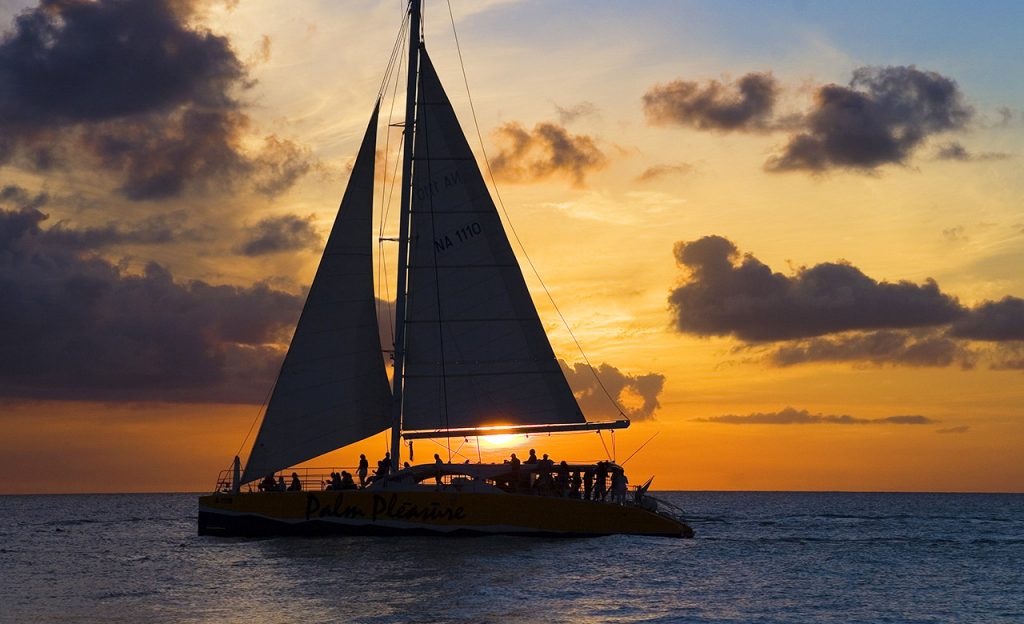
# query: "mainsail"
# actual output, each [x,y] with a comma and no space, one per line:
[476,352]
[332,389]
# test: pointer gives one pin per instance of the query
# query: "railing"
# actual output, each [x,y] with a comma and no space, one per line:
[312,478]
[319,478]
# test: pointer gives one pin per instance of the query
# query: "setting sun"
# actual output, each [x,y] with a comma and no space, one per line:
[503,440]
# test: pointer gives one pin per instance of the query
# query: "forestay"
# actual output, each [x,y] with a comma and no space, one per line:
[476,352]
[333,388]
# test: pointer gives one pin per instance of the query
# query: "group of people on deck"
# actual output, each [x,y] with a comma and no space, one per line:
[268,484]
[542,476]
[532,475]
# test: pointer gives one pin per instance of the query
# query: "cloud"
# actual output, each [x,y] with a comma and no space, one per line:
[280,165]
[955,234]
[155,230]
[743,297]
[960,429]
[75,326]
[132,89]
[746,104]
[1008,356]
[1006,117]
[901,348]
[880,118]
[793,416]
[21,199]
[547,150]
[569,114]
[283,233]
[660,171]
[955,151]
[637,395]
[992,321]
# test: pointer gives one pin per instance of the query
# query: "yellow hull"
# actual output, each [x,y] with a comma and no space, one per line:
[362,512]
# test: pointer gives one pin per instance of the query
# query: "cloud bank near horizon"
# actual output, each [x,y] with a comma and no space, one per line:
[793,416]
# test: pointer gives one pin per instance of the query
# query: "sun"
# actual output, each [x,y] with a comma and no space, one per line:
[501,440]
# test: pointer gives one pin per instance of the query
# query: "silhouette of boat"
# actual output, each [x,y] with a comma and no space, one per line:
[471,358]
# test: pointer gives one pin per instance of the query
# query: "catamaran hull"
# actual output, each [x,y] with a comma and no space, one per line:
[424,513]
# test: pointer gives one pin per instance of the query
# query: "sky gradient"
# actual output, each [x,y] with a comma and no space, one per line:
[788,235]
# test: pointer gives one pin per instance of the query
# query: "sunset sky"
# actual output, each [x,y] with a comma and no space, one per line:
[789,235]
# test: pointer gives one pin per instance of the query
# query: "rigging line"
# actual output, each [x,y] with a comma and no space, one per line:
[261,412]
[386,205]
[391,72]
[497,194]
[387,201]
[395,49]
[641,448]
[443,446]
[606,453]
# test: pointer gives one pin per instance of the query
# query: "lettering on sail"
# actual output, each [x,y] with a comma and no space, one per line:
[459,235]
[436,184]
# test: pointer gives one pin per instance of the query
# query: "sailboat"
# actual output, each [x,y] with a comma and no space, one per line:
[471,359]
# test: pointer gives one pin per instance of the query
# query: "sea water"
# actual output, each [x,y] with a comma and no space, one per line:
[757,557]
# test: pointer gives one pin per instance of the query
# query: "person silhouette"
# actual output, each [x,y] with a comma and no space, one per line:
[362,470]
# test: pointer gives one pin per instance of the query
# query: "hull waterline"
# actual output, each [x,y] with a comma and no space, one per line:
[383,512]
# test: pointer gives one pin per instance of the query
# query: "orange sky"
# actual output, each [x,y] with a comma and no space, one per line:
[601,234]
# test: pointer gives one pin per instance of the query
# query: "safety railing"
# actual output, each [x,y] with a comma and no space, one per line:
[319,479]
[311,479]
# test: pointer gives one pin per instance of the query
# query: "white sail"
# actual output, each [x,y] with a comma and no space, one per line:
[333,389]
[476,352]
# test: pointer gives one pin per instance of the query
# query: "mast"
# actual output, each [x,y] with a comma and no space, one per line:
[403,233]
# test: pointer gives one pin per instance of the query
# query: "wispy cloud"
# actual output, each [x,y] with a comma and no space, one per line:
[793,416]
[656,172]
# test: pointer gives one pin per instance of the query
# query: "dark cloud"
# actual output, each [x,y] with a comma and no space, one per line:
[880,118]
[900,348]
[747,104]
[283,233]
[743,297]
[134,89]
[21,199]
[67,62]
[993,320]
[75,326]
[547,150]
[660,171]
[569,114]
[637,395]
[156,230]
[793,416]
[955,151]
[960,429]
[280,165]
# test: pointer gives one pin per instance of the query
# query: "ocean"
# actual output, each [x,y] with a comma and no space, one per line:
[758,557]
